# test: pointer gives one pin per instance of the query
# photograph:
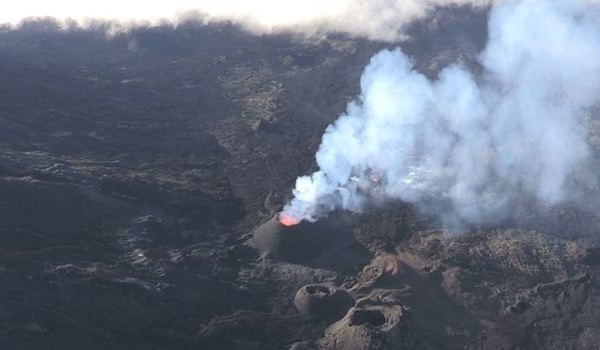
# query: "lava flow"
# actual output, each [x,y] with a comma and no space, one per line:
[288,220]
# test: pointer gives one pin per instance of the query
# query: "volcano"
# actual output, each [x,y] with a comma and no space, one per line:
[292,240]
[140,204]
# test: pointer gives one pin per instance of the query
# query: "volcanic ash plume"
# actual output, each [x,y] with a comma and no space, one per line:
[471,143]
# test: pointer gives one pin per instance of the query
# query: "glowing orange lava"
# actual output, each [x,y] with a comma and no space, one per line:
[288,220]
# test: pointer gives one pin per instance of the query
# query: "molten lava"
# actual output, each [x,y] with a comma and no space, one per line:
[288,220]
[391,266]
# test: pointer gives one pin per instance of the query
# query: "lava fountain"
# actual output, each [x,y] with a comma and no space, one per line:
[288,220]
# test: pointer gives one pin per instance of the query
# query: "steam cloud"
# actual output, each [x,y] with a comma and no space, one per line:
[374,19]
[473,143]
[470,144]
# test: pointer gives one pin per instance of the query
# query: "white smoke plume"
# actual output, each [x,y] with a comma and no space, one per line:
[374,19]
[475,143]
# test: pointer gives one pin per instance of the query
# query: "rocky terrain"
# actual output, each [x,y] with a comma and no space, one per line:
[139,171]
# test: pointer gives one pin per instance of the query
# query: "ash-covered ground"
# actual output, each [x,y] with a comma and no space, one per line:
[134,171]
